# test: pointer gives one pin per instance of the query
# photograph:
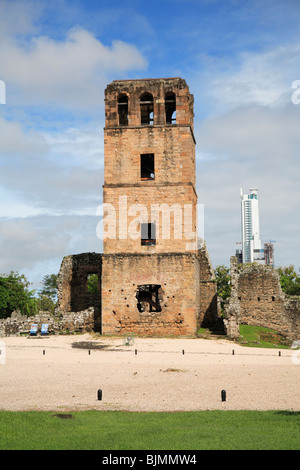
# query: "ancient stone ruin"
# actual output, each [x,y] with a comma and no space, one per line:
[155,278]
[257,299]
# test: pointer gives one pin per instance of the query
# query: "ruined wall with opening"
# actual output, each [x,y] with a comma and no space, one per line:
[182,287]
[72,285]
[262,302]
[176,277]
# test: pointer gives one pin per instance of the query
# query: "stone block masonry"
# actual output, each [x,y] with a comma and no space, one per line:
[70,322]
[168,145]
[260,301]
[157,295]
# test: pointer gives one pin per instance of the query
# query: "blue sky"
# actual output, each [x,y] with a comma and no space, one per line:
[239,57]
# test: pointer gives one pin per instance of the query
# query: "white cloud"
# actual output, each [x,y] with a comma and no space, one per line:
[18,17]
[15,141]
[252,78]
[68,73]
[59,173]
[25,243]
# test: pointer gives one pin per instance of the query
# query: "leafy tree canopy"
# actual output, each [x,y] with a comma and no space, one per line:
[15,295]
[222,274]
[289,280]
[92,283]
[49,286]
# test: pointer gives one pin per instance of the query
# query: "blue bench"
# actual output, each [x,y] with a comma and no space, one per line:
[33,329]
[44,329]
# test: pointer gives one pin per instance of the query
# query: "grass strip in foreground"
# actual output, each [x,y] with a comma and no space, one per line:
[98,430]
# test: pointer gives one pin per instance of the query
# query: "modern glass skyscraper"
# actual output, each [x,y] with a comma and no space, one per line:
[251,243]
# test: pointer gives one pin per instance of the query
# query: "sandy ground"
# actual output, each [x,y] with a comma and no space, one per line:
[50,374]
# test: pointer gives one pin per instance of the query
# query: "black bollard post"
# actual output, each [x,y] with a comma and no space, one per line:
[100,394]
[183,351]
[279,353]
[89,352]
[44,352]
[135,351]
[233,352]
[223,395]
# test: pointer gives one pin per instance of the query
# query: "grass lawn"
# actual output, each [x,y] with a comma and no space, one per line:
[260,337]
[203,430]
[255,336]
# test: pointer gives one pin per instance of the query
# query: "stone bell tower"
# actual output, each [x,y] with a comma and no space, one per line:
[150,270]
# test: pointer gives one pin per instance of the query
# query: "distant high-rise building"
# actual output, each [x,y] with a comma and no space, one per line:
[251,243]
[269,253]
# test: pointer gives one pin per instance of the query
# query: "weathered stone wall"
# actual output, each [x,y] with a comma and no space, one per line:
[156,204]
[187,282]
[261,301]
[73,294]
[178,278]
[158,88]
[72,322]
[173,147]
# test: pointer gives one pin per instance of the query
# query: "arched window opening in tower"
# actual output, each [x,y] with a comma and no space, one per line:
[146,105]
[123,110]
[170,107]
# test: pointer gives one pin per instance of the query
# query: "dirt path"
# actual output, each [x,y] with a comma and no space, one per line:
[153,374]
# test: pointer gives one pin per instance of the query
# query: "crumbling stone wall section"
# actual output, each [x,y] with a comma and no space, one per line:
[292,308]
[73,294]
[71,322]
[262,301]
[261,297]
[208,288]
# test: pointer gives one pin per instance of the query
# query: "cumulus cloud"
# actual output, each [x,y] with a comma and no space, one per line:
[69,72]
[24,243]
[59,173]
[14,141]
[261,78]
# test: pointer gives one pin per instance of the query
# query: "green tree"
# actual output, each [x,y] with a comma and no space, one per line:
[48,294]
[92,283]
[49,286]
[289,280]
[222,274]
[15,295]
